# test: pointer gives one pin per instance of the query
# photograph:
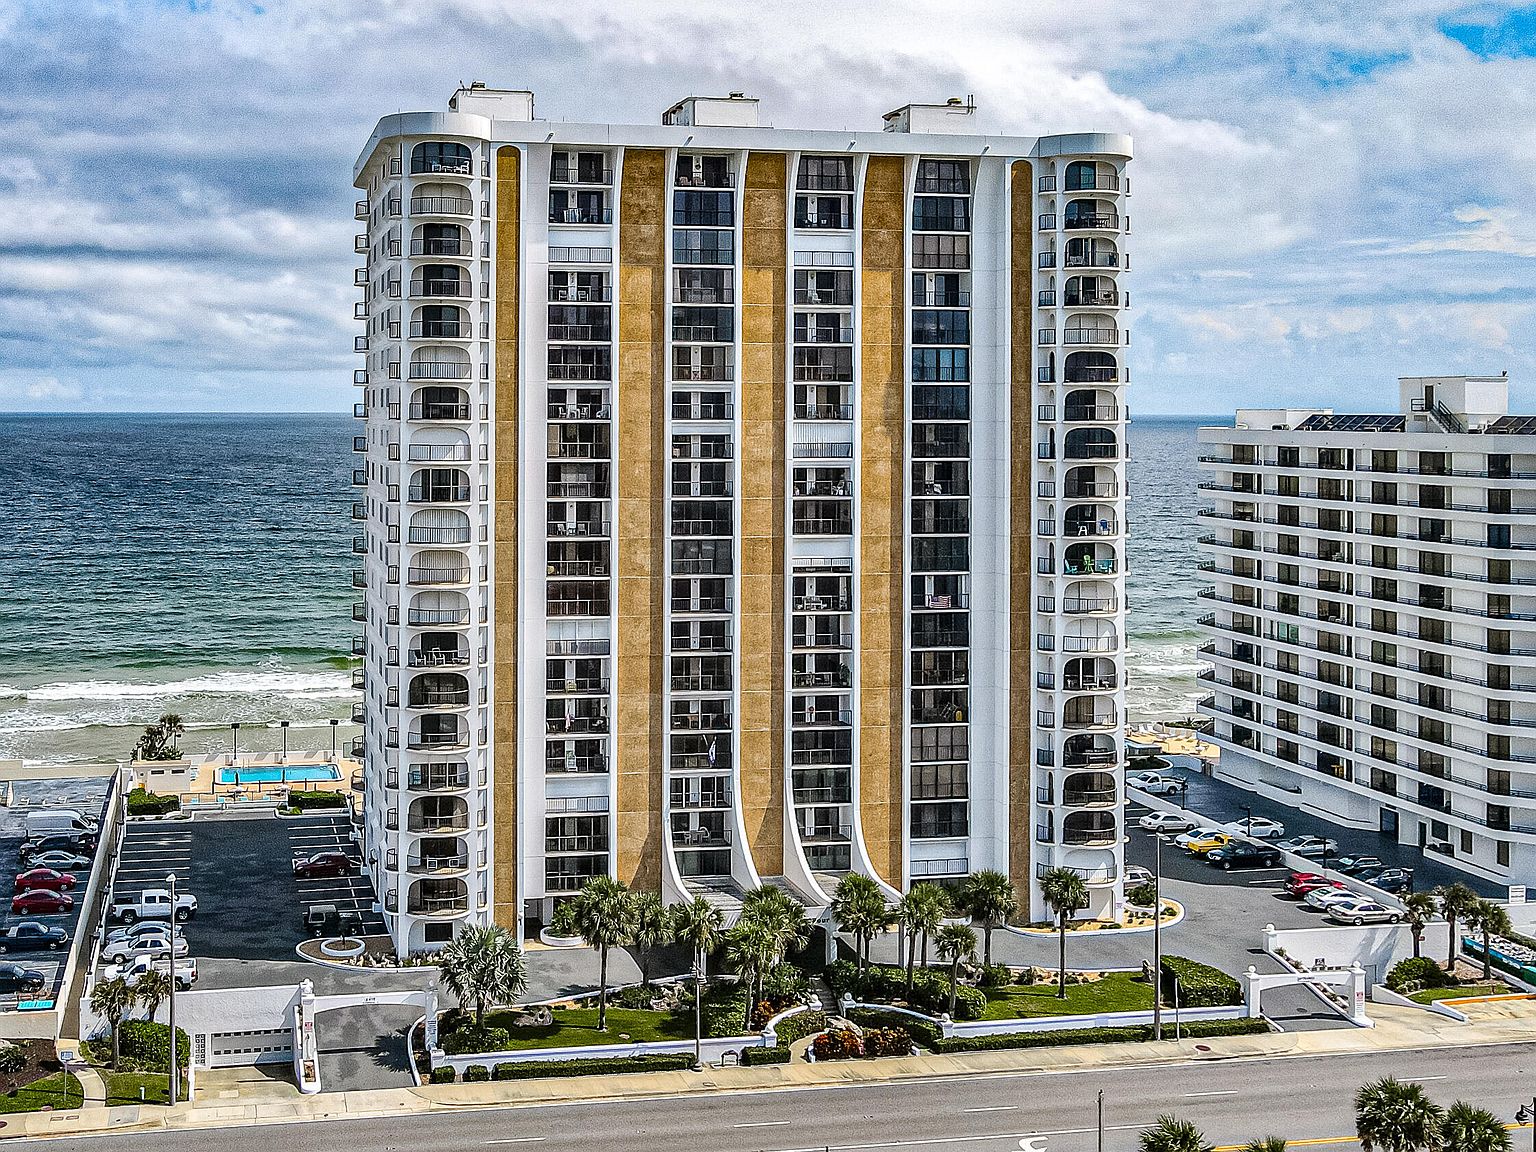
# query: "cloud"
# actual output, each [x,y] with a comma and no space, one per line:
[1324,194]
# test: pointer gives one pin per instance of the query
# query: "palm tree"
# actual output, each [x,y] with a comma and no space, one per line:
[600,916]
[172,726]
[1391,1116]
[933,904]
[859,908]
[1457,902]
[988,896]
[1488,919]
[1266,1144]
[1066,892]
[151,988]
[749,948]
[1419,908]
[782,916]
[697,924]
[908,909]
[112,1000]
[483,964]
[955,943]
[650,927]
[1171,1134]
[1467,1128]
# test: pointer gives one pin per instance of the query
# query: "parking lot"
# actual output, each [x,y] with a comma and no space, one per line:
[89,796]
[250,907]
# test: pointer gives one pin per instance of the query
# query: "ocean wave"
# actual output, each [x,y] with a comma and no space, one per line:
[271,683]
[1135,668]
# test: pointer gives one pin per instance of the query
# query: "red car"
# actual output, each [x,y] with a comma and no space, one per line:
[45,878]
[40,902]
[323,864]
[1301,883]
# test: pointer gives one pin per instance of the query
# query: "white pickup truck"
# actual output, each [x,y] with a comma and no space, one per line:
[131,970]
[152,904]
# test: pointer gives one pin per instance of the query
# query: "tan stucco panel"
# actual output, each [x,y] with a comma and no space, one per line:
[882,414]
[504,534]
[1020,515]
[640,559]
[763,311]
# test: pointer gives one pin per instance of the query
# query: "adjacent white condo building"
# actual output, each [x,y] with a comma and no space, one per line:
[1372,616]
[736,505]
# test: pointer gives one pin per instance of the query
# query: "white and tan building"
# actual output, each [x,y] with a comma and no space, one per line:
[736,505]
[1372,616]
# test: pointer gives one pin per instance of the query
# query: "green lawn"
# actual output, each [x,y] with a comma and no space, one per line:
[578,1026]
[1117,992]
[1429,995]
[61,1091]
[123,1087]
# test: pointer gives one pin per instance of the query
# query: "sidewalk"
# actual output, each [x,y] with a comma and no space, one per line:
[1397,1029]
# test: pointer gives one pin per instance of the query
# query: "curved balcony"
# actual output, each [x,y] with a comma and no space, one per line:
[439,856]
[440,899]
[1090,714]
[440,403]
[1089,790]
[1091,752]
[1090,829]
[432,650]
[1090,674]
[1090,520]
[440,362]
[440,732]
[429,814]
[1085,367]
[439,486]
[437,776]
[438,690]
[1091,444]
[441,157]
[1086,213]
[438,610]
[442,199]
[1095,559]
[448,240]
[438,526]
[1090,598]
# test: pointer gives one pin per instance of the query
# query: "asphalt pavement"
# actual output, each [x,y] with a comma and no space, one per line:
[1302,1099]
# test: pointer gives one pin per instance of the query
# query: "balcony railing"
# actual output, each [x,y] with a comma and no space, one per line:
[442,206]
[454,822]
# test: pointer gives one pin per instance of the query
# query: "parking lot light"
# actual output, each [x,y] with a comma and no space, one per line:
[234,748]
[334,723]
[170,881]
[283,724]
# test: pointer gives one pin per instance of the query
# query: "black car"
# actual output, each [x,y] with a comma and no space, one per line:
[83,842]
[15,978]
[1244,854]
[1354,865]
[32,936]
[1387,879]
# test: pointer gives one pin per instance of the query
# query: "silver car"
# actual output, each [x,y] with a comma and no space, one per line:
[1363,912]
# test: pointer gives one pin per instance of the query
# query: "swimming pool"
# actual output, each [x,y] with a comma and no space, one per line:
[304,773]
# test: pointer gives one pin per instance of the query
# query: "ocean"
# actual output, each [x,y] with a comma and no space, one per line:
[200,565]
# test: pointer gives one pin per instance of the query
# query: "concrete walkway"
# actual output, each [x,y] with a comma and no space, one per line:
[1397,1029]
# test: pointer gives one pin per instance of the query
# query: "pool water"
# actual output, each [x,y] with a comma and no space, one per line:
[303,773]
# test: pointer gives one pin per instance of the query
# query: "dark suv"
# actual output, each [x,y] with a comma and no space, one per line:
[1244,854]
[82,842]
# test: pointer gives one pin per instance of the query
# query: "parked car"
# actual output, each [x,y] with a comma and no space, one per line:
[131,970]
[152,904]
[1352,865]
[1195,834]
[81,842]
[1244,854]
[33,936]
[1309,846]
[61,859]
[1392,880]
[1363,912]
[1261,828]
[1136,875]
[1155,783]
[45,878]
[41,902]
[142,929]
[147,945]
[1299,884]
[1203,844]
[1160,822]
[1443,847]
[1325,898]
[330,863]
[15,978]
[50,821]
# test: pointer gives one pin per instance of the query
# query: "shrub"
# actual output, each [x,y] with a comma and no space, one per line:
[778,1054]
[1143,896]
[843,976]
[306,800]
[838,1044]
[477,1074]
[996,976]
[638,996]
[723,1009]
[468,1040]
[920,1030]
[444,1075]
[800,1025]
[1413,974]
[1133,1032]
[148,1045]
[593,1066]
[787,983]
[145,803]
[1200,985]
[930,989]
[887,1042]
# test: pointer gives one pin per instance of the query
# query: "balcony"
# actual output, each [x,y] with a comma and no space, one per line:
[449,777]
[442,206]
[440,411]
[437,577]
[1103,220]
[442,905]
[701,838]
[437,865]
[438,822]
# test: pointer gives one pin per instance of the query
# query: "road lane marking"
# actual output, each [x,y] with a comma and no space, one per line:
[754,1124]
[1024,1139]
[1414,1079]
[508,1140]
[1187,1095]
[994,1108]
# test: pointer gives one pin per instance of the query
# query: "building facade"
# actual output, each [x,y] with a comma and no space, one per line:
[1370,616]
[736,505]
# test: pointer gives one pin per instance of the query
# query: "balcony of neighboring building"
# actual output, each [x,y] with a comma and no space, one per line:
[580,167]
[706,793]
[1094,829]
[438,567]
[578,677]
[1092,176]
[702,404]
[940,705]
[1090,598]
[700,751]
[439,486]
[438,526]
[1091,751]
[441,198]
[1093,291]
[1091,520]
[443,732]
[933,592]
[441,282]
[1086,674]
[1089,713]
[812,671]
[450,241]
[1090,559]
[697,830]
[821,748]
[575,757]
[441,322]
[567,598]
[438,899]
[573,716]
[580,205]
[823,631]
[821,711]
[437,814]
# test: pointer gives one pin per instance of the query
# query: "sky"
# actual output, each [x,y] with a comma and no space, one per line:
[1327,195]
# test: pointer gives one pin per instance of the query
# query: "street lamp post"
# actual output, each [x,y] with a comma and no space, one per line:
[1101,1120]
[283,724]
[334,723]
[698,1013]
[1527,1115]
[1157,941]
[1248,823]
[1176,991]
[175,1079]
[234,747]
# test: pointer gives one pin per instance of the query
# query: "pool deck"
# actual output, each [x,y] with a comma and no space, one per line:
[196,780]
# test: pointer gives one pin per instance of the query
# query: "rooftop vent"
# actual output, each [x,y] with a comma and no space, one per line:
[475,99]
[954,115]
[738,110]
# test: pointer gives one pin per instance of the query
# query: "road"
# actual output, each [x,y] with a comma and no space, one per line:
[1303,1099]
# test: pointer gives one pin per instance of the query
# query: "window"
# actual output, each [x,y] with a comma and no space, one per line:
[826,173]
[941,364]
[941,327]
[440,156]
[935,744]
[941,251]
[707,246]
[930,821]
[941,214]
[940,781]
[952,176]
[1501,852]
[703,209]
[432,934]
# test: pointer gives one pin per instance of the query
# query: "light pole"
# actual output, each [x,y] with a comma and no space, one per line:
[1527,1115]
[1176,990]
[175,1078]
[283,724]
[1157,940]
[1248,823]
[234,746]
[334,723]
[698,1012]
[1101,1120]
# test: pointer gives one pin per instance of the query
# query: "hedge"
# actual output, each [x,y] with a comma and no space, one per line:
[1134,1032]
[477,1074]
[305,800]
[593,1066]
[800,1025]
[724,1009]
[1416,973]
[444,1075]
[778,1054]
[145,803]
[930,988]
[469,1040]
[1200,985]
[920,1030]
[148,1045]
